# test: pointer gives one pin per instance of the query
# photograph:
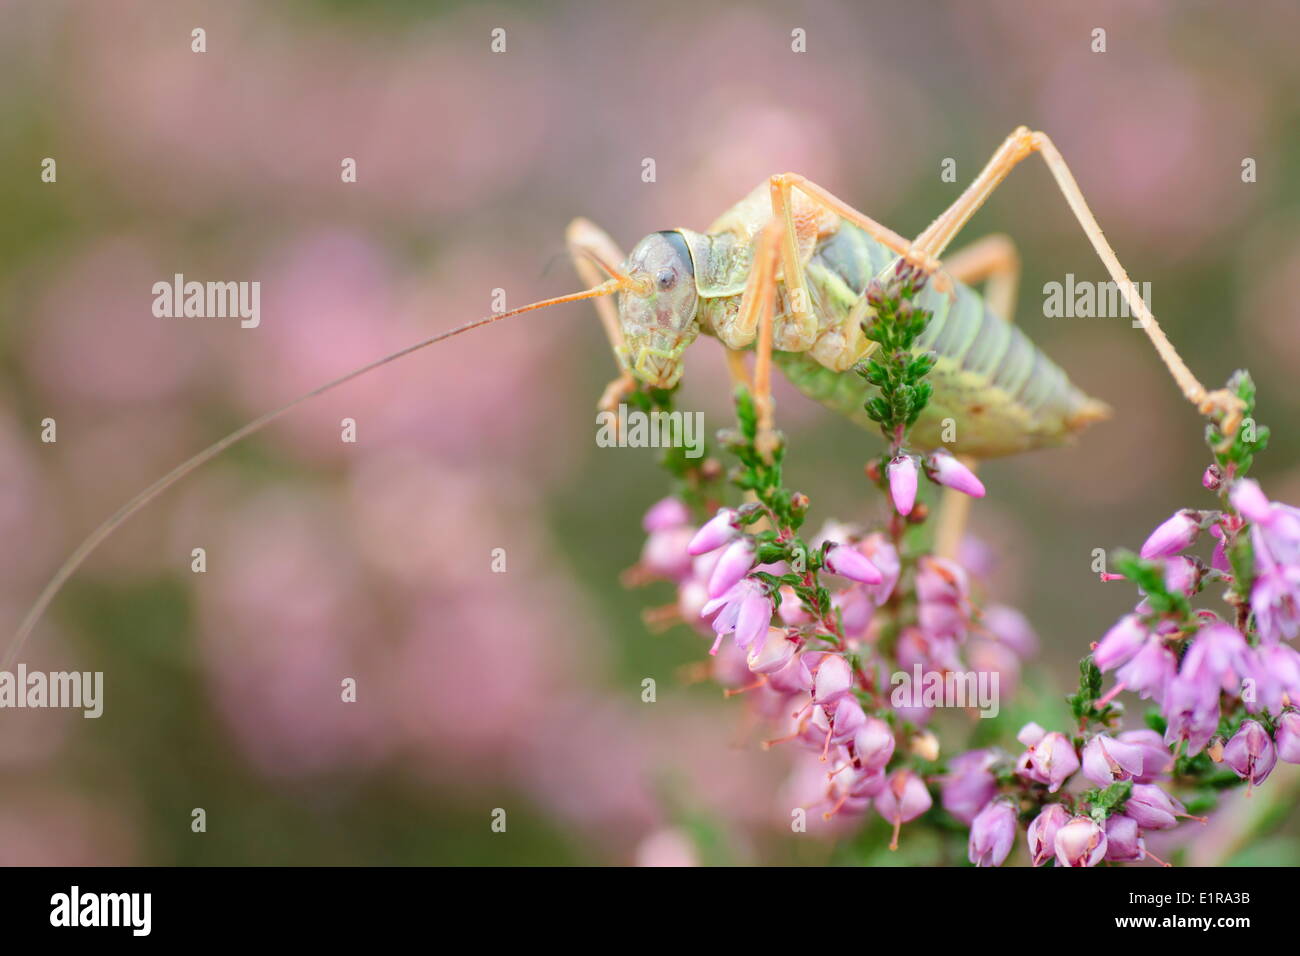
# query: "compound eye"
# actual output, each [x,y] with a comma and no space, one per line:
[666,279]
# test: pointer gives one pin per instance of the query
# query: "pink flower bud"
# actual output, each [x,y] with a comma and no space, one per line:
[1042,832]
[1247,497]
[794,678]
[884,558]
[1150,671]
[753,618]
[834,679]
[1012,629]
[849,563]
[992,834]
[1121,642]
[1052,761]
[1251,753]
[874,743]
[792,612]
[1152,808]
[1107,761]
[849,719]
[1030,734]
[664,514]
[716,532]
[732,566]
[1288,737]
[1156,758]
[969,784]
[1124,843]
[1176,534]
[1080,843]
[945,469]
[903,799]
[901,473]
[664,553]
[774,652]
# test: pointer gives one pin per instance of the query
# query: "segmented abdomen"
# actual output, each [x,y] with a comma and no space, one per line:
[995,392]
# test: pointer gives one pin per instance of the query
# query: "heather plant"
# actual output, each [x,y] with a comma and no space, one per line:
[826,636]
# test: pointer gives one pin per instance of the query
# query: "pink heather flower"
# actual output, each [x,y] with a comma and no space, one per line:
[834,679]
[1249,499]
[1288,737]
[1011,629]
[1275,598]
[969,784]
[849,563]
[792,612]
[944,469]
[1176,534]
[867,782]
[665,514]
[855,610]
[1042,832]
[992,833]
[1030,734]
[901,472]
[1277,676]
[1055,760]
[1251,753]
[1080,843]
[1182,575]
[849,719]
[1212,478]
[874,743]
[732,566]
[1149,672]
[902,800]
[1124,843]
[943,596]
[794,678]
[1152,808]
[1107,760]
[772,653]
[745,609]
[1191,707]
[884,558]
[1121,643]
[1219,560]
[1156,758]
[692,596]
[716,532]
[1219,652]
[664,553]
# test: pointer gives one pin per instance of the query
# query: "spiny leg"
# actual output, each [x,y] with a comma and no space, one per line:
[1020,144]
[597,257]
[882,234]
[994,261]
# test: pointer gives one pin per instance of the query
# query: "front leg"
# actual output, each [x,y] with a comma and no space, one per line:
[753,320]
[593,253]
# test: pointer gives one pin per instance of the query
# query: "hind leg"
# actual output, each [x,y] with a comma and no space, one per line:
[995,262]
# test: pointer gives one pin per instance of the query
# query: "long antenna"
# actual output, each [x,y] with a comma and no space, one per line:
[119,517]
